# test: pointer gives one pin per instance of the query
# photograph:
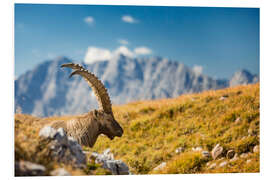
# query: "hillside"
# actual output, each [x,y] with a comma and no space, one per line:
[154,130]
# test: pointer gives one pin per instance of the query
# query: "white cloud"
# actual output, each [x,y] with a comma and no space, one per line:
[97,54]
[129,19]
[197,69]
[123,50]
[94,54]
[142,50]
[89,20]
[123,41]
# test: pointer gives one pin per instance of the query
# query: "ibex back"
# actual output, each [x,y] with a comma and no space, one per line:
[86,128]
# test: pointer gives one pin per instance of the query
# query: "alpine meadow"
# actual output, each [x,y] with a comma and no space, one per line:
[136,90]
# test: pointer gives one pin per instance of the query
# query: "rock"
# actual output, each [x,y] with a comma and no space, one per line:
[238,120]
[244,137]
[248,161]
[47,132]
[206,154]
[197,149]
[222,98]
[251,132]
[161,166]
[117,167]
[230,154]
[60,172]
[234,158]
[224,163]
[212,166]
[26,168]
[256,149]
[244,155]
[179,150]
[217,151]
[63,148]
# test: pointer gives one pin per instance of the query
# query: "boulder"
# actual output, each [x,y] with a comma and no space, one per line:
[47,132]
[217,151]
[117,167]
[26,168]
[256,149]
[160,167]
[60,172]
[63,148]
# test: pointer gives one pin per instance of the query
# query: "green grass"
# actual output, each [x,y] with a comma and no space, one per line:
[154,129]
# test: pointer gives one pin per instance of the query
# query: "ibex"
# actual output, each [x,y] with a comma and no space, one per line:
[86,128]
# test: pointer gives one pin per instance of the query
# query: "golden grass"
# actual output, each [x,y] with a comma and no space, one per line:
[154,129]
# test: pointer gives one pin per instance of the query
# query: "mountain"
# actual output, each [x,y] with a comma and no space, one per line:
[46,90]
[243,77]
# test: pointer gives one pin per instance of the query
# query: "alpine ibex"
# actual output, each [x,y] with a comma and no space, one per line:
[86,128]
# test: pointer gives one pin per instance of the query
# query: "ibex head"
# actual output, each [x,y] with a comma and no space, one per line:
[108,125]
[87,128]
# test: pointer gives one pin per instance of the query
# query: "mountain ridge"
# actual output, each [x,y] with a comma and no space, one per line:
[46,90]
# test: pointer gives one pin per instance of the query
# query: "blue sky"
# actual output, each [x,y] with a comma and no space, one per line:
[217,41]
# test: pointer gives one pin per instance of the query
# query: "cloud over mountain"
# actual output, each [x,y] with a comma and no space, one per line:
[94,54]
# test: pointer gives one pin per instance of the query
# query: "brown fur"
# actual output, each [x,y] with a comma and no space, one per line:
[86,128]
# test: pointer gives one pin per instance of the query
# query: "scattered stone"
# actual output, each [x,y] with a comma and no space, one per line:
[206,154]
[197,149]
[161,166]
[230,154]
[238,120]
[244,137]
[63,148]
[248,161]
[222,164]
[47,132]
[212,166]
[117,167]
[256,149]
[179,150]
[26,168]
[222,98]
[244,155]
[251,132]
[101,158]
[217,151]
[60,172]
[234,158]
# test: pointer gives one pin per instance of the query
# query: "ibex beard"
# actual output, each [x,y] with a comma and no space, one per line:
[87,127]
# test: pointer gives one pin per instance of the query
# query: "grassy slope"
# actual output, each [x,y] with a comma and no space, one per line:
[154,129]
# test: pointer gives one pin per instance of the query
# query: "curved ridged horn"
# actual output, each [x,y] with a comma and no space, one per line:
[100,91]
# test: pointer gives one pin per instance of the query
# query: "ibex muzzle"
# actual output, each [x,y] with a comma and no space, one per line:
[86,128]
